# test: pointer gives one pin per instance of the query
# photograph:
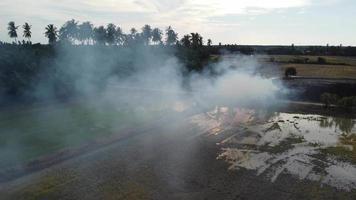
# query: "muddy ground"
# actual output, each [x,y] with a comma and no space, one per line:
[174,160]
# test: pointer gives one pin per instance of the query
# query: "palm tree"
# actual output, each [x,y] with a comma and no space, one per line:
[100,35]
[12,28]
[85,32]
[156,35]
[27,31]
[133,31]
[196,40]
[146,34]
[111,34]
[185,41]
[51,33]
[210,42]
[132,38]
[69,31]
[120,36]
[171,35]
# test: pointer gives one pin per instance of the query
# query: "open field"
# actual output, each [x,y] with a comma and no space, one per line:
[331,60]
[29,132]
[210,155]
[336,66]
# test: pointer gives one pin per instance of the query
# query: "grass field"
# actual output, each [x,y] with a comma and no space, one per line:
[33,131]
[335,67]
[331,60]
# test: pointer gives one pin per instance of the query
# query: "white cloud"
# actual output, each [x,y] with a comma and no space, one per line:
[210,17]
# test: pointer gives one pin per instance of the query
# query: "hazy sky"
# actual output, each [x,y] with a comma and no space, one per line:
[226,21]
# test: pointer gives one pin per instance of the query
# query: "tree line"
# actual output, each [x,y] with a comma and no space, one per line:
[85,33]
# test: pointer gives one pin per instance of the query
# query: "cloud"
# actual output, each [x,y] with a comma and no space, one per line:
[204,16]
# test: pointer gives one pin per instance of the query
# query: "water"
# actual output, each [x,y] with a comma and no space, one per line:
[312,147]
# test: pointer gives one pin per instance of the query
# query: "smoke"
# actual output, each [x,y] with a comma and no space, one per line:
[119,88]
[157,79]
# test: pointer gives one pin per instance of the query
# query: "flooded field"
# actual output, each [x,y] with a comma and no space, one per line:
[225,153]
[305,146]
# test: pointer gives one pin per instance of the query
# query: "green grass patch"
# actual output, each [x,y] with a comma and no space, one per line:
[30,133]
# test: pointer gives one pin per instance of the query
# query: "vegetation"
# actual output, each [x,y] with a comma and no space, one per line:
[290,71]
[333,99]
[27,31]
[23,65]
[51,33]
[346,151]
[12,28]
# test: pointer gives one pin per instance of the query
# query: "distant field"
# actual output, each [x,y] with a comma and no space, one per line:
[331,60]
[335,67]
[327,71]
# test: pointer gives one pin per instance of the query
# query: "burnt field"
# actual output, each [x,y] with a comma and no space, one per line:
[238,130]
[223,152]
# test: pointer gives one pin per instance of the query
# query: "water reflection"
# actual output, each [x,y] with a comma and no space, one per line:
[271,143]
[344,124]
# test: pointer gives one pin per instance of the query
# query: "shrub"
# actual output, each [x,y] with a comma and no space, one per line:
[347,102]
[290,71]
[328,99]
[321,60]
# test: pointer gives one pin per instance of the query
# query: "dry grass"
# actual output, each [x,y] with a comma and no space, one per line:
[336,67]
[328,71]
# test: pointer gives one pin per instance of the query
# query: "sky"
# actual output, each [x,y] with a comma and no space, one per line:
[255,22]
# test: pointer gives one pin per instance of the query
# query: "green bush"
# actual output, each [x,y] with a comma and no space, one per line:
[328,99]
[290,71]
[347,102]
[321,60]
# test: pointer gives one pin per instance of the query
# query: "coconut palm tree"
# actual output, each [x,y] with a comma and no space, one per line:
[100,35]
[27,31]
[185,41]
[51,33]
[196,40]
[111,34]
[146,34]
[171,36]
[131,38]
[69,31]
[85,32]
[133,31]
[120,36]
[209,42]
[12,28]
[156,35]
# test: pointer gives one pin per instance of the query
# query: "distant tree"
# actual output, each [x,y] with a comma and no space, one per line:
[157,35]
[12,28]
[133,31]
[134,38]
[171,36]
[209,42]
[51,33]
[85,33]
[321,60]
[290,71]
[329,99]
[120,36]
[146,34]
[69,31]
[100,35]
[111,34]
[27,31]
[196,40]
[185,41]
